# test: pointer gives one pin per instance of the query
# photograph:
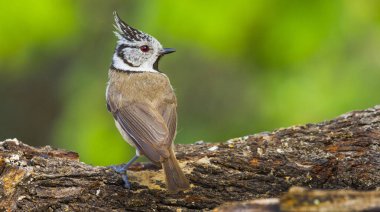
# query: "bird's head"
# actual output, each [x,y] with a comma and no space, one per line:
[136,50]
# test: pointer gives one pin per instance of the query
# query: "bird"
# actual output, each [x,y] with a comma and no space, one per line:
[143,103]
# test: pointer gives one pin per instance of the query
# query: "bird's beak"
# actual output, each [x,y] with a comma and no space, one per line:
[167,51]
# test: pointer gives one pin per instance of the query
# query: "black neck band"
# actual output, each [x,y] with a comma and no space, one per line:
[125,71]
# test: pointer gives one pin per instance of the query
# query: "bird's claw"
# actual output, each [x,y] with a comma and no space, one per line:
[122,169]
[127,185]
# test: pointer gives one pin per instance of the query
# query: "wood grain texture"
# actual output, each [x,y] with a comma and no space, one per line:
[343,153]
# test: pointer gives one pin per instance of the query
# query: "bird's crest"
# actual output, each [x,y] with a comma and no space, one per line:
[124,31]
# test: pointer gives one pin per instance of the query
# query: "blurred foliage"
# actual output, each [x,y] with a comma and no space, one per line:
[240,67]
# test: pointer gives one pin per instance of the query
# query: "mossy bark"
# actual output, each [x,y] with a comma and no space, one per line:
[343,153]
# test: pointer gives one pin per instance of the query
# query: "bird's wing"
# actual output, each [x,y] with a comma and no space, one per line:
[147,128]
[169,114]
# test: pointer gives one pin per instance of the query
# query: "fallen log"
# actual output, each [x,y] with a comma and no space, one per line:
[343,153]
[310,200]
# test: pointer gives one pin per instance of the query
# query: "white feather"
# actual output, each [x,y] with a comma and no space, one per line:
[119,64]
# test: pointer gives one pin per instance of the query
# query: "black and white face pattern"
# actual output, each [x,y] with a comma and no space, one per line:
[135,50]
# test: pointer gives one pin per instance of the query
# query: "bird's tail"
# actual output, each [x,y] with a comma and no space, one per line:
[175,179]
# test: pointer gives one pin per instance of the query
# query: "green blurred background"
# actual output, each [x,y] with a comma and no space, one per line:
[241,67]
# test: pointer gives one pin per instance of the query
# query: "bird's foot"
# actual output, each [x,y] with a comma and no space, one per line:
[127,184]
[122,169]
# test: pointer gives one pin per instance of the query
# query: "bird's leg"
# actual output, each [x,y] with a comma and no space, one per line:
[122,169]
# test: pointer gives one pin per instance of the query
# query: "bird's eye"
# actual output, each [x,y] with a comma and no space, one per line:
[144,48]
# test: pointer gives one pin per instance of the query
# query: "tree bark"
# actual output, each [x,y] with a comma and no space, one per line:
[307,200]
[343,153]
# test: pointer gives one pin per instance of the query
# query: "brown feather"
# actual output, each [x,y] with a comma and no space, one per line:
[144,106]
[147,128]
